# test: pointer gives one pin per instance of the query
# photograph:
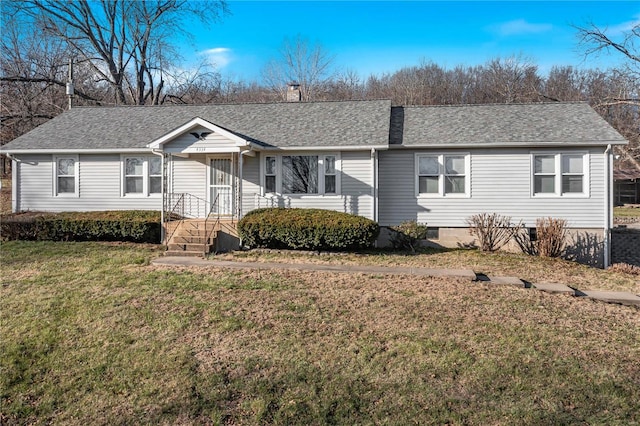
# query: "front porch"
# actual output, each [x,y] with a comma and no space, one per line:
[199,237]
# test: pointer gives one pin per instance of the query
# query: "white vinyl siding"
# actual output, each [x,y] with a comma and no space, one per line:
[99,185]
[500,181]
[189,175]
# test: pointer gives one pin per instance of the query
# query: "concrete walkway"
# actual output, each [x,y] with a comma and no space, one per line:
[618,297]
[392,270]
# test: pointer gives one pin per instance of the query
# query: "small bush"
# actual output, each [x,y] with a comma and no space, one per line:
[492,230]
[408,235]
[551,236]
[306,229]
[134,226]
[624,268]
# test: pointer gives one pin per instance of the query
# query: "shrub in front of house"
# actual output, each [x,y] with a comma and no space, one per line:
[134,226]
[492,230]
[306,229]
[408,235]
[550,240]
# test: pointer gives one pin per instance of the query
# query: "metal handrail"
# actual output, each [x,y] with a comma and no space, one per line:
[187,205]
[208,234]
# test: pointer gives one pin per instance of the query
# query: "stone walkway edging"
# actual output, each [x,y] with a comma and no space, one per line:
[618,297]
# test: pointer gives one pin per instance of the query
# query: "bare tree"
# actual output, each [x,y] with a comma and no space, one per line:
[309,65]
[625,101]
[126,42]
[34,72]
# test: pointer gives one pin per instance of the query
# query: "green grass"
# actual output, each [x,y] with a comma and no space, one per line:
[92,334]
[626,212]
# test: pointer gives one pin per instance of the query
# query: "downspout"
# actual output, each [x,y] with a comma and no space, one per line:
[607,207]
[15,174]
[240,179]
[374,180]
[162,179]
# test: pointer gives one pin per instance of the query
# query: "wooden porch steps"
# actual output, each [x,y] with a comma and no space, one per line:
[195,237]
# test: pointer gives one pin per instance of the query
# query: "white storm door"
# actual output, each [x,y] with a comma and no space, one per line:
[221,186]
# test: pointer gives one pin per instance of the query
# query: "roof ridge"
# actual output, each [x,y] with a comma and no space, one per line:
[494,104]
[230,104]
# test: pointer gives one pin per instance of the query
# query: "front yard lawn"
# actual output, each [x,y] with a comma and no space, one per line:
[92,334]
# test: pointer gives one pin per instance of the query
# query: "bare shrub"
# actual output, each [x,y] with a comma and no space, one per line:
[522,238]
[408,234]
[624,268]
[551,236]
[492,230]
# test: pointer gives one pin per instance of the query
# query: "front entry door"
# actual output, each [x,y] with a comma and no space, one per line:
[221,186]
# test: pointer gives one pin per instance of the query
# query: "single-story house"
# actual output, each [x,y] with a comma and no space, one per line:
[433,164]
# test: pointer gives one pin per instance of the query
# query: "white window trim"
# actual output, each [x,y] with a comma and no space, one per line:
[441,175]
[145,177]
[557,155]
[76,167]
[321,156]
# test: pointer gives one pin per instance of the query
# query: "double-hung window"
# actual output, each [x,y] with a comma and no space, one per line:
[442,174]
[330,174]
[142,175]
[560,174]
[301,174]
[66,176]
[270,174]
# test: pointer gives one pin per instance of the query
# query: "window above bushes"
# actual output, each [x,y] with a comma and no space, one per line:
[560,174]
[301,174]
[442,175]
[65,179]
[141,175]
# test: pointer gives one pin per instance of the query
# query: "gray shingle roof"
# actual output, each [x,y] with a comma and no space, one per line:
[325,124]
[539,124]
[300,124]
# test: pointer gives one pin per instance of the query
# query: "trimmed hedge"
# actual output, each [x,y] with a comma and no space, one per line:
[306,229]
[134,226]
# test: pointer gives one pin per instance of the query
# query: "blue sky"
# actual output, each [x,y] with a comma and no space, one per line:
[373,37]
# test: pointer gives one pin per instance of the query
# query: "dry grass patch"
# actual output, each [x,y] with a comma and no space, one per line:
[5,196]
[529,268]
[101,337]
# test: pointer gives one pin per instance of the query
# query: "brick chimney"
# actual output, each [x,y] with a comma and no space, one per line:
[293,92]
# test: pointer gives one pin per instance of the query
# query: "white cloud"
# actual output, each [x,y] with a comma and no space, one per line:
[520,27]
[218,56]
[619,29]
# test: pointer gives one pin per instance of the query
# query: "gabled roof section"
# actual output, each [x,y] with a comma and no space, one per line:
[191,124]
[535,125]
[305,125]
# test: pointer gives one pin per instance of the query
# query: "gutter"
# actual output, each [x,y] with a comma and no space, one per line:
[15,172]
[607,207]
[529,145]
[374,181]
[162,180]
[241,178]
[75,151]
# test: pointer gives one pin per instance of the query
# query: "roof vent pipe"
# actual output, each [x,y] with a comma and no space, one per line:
[293,92]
